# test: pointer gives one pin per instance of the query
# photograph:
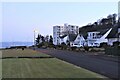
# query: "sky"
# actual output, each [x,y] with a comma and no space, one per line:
[20,19]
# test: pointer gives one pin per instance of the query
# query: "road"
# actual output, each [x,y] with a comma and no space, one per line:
[106,67]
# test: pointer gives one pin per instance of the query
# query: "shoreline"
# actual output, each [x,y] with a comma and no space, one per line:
[4,45]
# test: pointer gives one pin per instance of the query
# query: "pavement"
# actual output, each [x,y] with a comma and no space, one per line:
[104,65]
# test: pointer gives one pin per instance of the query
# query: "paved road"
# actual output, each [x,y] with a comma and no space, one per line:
[97,64]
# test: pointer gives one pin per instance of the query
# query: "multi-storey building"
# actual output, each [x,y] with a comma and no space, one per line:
[70,29]
[56,34]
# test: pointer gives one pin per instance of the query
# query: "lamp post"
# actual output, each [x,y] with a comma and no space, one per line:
[34,39]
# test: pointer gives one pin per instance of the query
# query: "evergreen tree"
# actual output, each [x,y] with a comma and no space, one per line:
[51,39]
[38,39]
[42,38]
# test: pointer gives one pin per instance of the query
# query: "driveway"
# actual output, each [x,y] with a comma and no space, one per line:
[102,65]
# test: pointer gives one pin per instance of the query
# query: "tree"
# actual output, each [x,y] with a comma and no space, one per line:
[38,39]
[114,18]
[42,38]
[51,39]
[51,42]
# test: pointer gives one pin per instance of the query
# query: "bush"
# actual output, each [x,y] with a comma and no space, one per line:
[40,45]
[73,48]
[51,45]
[112,51]
[63,46]
[116,43]
[103,44]
[86,48]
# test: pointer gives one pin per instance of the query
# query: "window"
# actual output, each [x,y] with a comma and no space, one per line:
[92,44]
[93,34]
[80,35]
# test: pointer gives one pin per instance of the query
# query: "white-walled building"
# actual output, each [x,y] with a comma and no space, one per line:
[92,38]
[71,29]
[95,38]
[56,34]
[79,41]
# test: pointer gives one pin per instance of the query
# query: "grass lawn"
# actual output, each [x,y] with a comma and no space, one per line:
[40,67]
[22,53]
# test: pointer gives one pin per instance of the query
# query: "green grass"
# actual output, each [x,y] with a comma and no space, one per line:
[40,68]
[21,53]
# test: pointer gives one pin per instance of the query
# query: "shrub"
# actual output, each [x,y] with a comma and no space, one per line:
[103,44]
[113,50]
[73,48]
[116,43]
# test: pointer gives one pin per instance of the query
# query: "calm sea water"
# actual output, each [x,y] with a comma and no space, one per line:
[8,44]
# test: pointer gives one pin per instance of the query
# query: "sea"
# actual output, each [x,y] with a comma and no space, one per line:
[9,44]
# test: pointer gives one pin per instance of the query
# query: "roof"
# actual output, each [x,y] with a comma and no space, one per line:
[85,35]
[63,36]
[72,37]
[113,33]
[102,32]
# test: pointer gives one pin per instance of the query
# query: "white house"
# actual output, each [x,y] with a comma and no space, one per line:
[74,39]
[79,41]
[95,38]
[92,38]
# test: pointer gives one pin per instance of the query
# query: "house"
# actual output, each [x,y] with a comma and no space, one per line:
[79,41]
[96,37]
[73,39]
[92,38]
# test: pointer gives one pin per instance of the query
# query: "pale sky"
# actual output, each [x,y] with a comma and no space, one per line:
[19,19]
